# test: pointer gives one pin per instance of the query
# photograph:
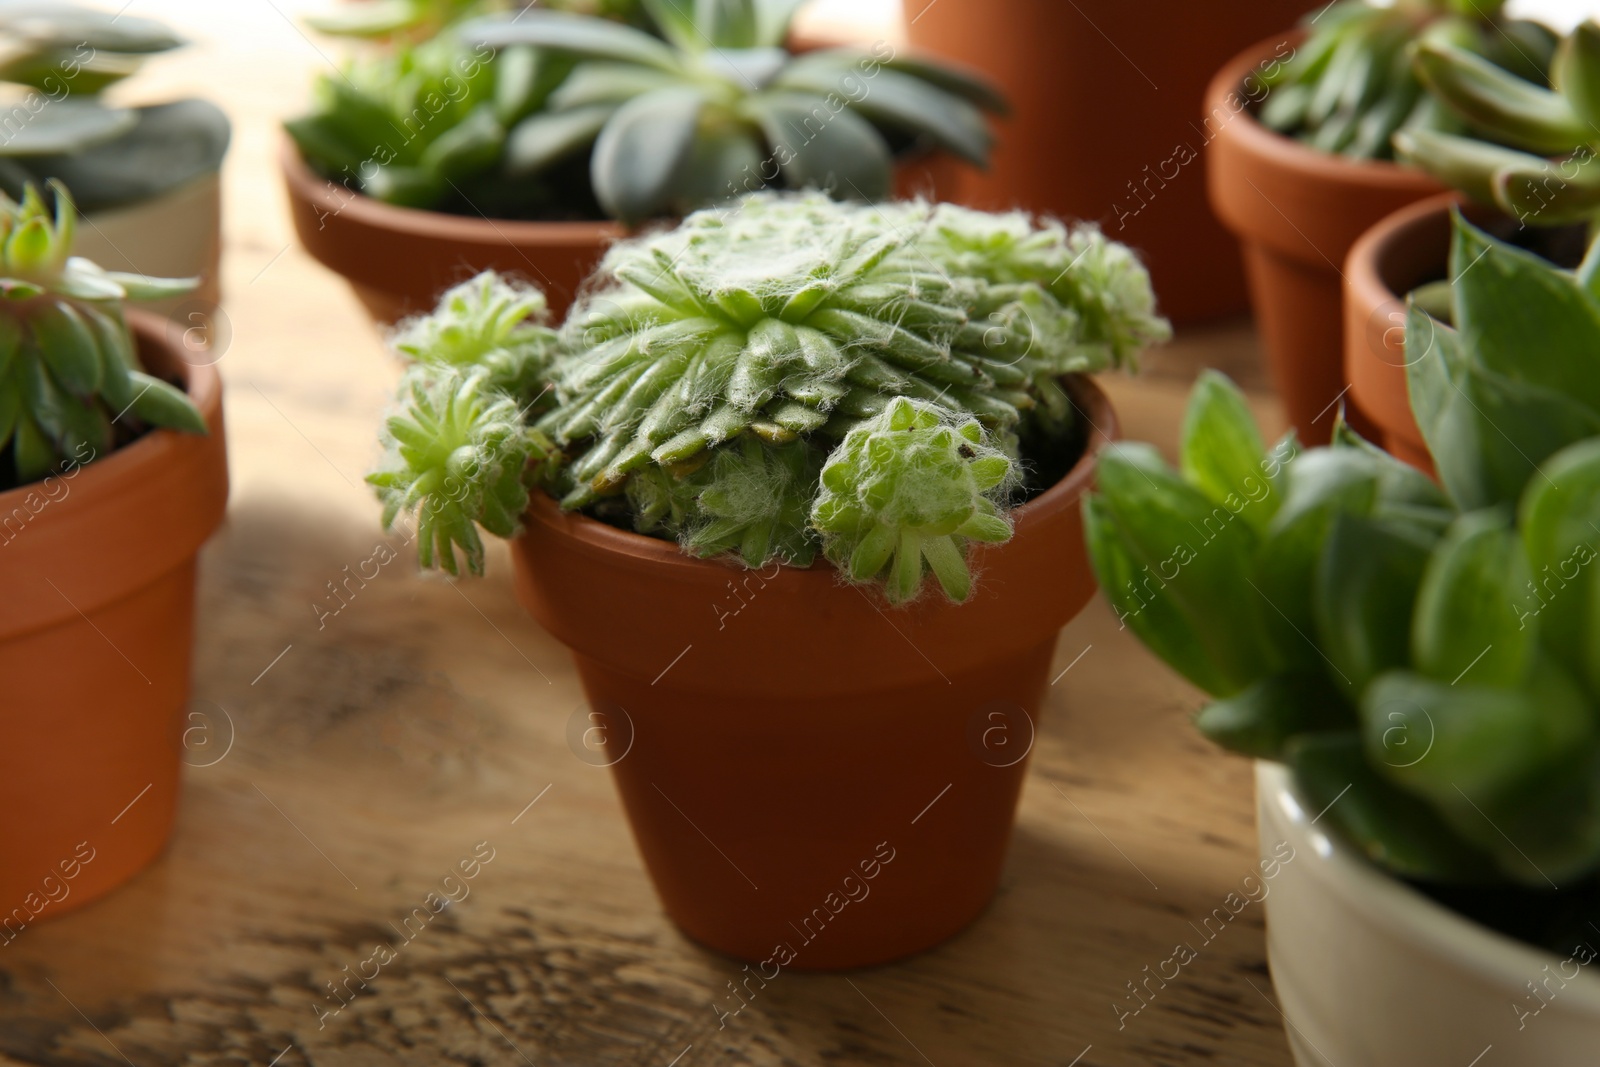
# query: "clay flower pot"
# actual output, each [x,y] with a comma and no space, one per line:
[1369,971]
[398,260]
[815,780]
[1296,212]
[97,575]
[1134,162]
[1409,248]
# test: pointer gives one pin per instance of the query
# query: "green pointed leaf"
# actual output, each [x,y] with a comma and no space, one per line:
[144,287]
[1559,594]
[1486,433]
[1523,319]
[160,404]
[68,347]
[1221,450]
[1366,585]
[1189,558]
[1468,626]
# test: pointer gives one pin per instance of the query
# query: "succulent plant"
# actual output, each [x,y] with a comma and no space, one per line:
[1526,148]
[788,375]
[909,487]
[71,385]
[1422,656]
[632,110]
[108,156]
[719,108]
[1352,84]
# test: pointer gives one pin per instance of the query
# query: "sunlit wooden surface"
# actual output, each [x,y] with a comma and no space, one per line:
[358,758]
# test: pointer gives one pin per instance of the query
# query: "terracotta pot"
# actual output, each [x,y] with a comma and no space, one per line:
[398,260]
[1369,971]
[1104,94]
[97,573]
[779,758]
[1297,212]
[1409,248]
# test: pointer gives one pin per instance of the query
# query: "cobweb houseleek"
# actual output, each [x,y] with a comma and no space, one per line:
[790,375]
[908,489]
[71,384]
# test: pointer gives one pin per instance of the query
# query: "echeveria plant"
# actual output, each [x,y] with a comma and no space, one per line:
[71,385]
[1352,84]
[628,110]
[789,375]
[720,108]
[1527,148]
[1423,656]
[66,56]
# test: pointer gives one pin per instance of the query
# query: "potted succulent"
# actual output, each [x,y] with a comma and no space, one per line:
[112,474]
[1060,152]
[1302,164]
[145,178]
[1523,168]
[1413,664]
[524,142]
[866,429]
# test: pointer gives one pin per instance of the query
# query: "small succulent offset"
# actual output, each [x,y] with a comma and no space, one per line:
[1423,656]
[720,108]
[108,156]
[791,375]
[71,385]
[1526,147]
[1352,84]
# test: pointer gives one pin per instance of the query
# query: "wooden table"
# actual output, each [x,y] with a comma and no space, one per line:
[345,767]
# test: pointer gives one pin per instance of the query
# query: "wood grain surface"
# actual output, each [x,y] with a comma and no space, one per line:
[341,768]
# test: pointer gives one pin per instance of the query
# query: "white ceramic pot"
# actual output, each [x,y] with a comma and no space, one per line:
[175,235]
[1371,973]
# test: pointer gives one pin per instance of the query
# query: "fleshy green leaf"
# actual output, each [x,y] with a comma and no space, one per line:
[641,148]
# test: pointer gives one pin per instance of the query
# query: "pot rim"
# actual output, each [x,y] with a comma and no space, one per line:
[362,210]
[643,550]
[1404,911]
[1284,152]
[118,467]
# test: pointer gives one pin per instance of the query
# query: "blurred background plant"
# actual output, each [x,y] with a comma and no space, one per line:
[1526,147]
[587,110]
[1423,655]
[789,375]
[63,57]
[1352,83]
[71,385]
